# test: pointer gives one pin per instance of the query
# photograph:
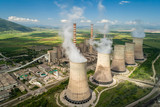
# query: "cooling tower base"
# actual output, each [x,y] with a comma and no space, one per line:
[112,83]
[99,82]
[120,72]
[77,102]
[84,103]
[139,59]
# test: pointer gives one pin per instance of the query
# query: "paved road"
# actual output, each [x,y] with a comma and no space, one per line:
[29,94]
[17,68]
[154,71]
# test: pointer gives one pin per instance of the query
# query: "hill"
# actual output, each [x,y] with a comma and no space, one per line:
[6,25]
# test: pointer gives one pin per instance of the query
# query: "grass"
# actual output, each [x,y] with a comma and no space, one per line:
[125,93]
[144,71]
[130,68]
[157,67]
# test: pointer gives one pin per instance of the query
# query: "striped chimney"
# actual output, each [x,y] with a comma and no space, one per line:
[91,48]
[74,33]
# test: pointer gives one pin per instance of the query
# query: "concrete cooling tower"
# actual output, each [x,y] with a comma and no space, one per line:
[102,74]
[138,50]
[78,91]
[118,62]
[129,53]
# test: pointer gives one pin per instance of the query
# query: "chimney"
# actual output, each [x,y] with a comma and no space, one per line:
[74,33]
[102,74]
[52,55]
[129,53]
[138,50]
[118,62]
[91,47]
[78,91]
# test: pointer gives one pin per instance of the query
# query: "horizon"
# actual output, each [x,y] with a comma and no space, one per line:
[98,12]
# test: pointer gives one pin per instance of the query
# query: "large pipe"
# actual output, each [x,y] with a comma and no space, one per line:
[118,62]
[103,74]
[74,33]
[91,47]
[78,91]
[138,50]
[129,53]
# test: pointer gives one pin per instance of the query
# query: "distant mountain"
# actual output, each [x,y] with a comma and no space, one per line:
[6,25]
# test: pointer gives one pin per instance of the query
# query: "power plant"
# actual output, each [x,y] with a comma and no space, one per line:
[138,50]
[102,73]
[78,91]
[118,62]
[129,54]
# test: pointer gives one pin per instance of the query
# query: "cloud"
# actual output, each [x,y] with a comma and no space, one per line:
[76,13]
[21,19]
[62,6]
[124,2]
[49,18]
[130,22]
[100,6]
[64,20]
[85,21]
[108,21]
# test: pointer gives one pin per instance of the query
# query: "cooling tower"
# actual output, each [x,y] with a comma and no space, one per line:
[102,74]
[91,47]
[118,62]
[74,33]
[138,50]
[129,53]
[78,91]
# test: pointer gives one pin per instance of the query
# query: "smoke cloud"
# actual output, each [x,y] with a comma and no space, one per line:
[103,46]
[71,50]
[138,31]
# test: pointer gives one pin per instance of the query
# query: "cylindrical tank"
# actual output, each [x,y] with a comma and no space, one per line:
[138,50]
[78,91]
[129,53]
[103,74]
[118,61]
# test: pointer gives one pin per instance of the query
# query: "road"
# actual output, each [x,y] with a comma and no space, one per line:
[31,93]
[17,68]
[155,89]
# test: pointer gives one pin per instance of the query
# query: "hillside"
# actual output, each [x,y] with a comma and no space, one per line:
[6,25]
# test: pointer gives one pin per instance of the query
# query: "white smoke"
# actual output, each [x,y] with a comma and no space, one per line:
[104,30]
[103,46]
[71,50]
[138,31]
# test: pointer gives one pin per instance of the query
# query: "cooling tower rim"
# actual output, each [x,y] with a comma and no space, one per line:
[119,45]
[78,62]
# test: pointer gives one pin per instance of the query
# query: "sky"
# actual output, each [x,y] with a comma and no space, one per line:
[54,12]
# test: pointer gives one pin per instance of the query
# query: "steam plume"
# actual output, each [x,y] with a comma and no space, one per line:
[138,31]
[71,50]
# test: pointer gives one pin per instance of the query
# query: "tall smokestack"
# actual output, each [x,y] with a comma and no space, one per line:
[138,50]
[129,53]
[102,74]
[91,47]
[74,33]
[78,91]
[118,62]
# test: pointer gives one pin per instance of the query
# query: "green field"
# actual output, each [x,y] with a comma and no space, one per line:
[125,93]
